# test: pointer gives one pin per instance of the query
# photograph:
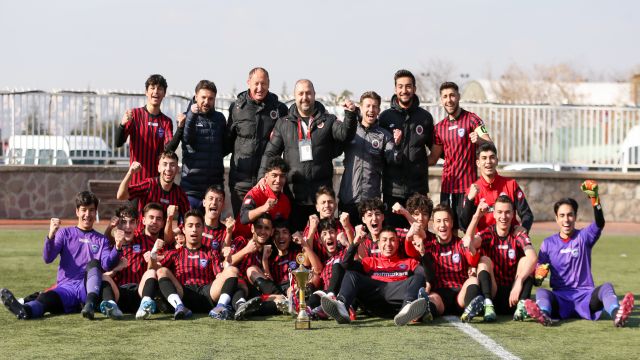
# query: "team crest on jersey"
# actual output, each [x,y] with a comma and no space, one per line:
[160,133]
[403,266]
[274,114]
[455,258]
[419,130]
[520,194]
[461,132]
[215,245]
[321,125]
[293,265]
[136,248]
[94,248]
[575,253]
[203,263]
[512,254]
[375,143]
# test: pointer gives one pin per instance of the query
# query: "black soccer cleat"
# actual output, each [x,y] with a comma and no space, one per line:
[247,308]
[12,304]
[87,311]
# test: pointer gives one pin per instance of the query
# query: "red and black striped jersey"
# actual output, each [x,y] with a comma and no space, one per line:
[214,237]
[150,190]
[193,267]
[136,265]
[318,247]
[279,266]
[148,135]
[326,273]
[450,267]
[372,249]
[411,250]
[389,269]
[460,169]
[504,253]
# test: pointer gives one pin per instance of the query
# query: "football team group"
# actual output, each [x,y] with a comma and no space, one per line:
[378,248]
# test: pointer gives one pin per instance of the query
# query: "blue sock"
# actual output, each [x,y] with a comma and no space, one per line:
[608,298]
[37,309]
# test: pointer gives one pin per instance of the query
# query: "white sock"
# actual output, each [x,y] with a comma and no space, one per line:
[145,298]
[330,294]
[174,300]
[488,302]
[241,301]
[225,299]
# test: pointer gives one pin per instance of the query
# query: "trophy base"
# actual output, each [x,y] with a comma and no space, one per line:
[303,325]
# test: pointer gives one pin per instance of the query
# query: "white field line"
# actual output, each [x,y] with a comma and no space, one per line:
[481,338]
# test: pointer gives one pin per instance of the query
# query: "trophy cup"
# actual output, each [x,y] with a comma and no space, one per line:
[302,276]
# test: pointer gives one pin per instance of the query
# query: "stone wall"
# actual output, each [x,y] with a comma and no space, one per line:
[42,192]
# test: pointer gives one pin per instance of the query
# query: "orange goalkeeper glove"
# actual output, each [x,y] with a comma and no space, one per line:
[541,273]
[590,187]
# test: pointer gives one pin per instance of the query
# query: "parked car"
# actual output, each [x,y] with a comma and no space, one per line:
[56,150]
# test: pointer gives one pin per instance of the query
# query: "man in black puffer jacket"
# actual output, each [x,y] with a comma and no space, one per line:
[412,129]
[251,119]
[203,145]
[309,138]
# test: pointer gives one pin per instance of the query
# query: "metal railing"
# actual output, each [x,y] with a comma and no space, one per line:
[560,136]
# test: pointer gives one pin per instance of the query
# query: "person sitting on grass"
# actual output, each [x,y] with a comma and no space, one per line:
[567,255]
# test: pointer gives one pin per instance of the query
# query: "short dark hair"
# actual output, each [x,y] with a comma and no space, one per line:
[327,224]
[389,228]
[421,203]
[207,85]
[443,207]
[86,198]
[264,216]
[256,69]
[566,201]
[194,213]
[156,79]
[449,85]
[276,162]
[325,190]
[153,206]
[169,154]
[484,147]
[404,73]
[216,189]
[370,205]
[504,199]
[281,222]
[127,211]
[371,95]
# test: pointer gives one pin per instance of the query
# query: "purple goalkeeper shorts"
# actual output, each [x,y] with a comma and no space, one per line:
[573,303]
[73,294]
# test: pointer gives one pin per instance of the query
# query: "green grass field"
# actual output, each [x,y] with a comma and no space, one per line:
[23,271]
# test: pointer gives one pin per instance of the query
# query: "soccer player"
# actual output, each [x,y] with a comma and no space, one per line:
[326,206]
[489,186]
[412,129]
[447,263]
[160,189]
[251,119]
[418,213]
[506,272]
[568,255]
[372,213]
[268,197]
[365,156]
[457,136]
[385,284]
[148,129]
[132,288]
[83,253]
[192,274]
[215,234]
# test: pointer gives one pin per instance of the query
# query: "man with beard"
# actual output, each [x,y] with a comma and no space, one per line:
[457,135]
[133,285]
[251,119]
[412,129]
[203,147]
[161,189]
[365,156]
[309,138]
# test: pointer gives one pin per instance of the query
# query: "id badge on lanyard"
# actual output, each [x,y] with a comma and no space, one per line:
[304,145]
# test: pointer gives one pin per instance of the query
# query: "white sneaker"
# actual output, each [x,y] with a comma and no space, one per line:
[411,311]
[336,309]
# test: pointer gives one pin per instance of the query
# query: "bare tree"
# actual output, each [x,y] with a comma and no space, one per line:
[431,77]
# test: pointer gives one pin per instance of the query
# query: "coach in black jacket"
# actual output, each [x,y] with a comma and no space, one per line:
[412,127]
[202,145]
[311,165]
[251,118]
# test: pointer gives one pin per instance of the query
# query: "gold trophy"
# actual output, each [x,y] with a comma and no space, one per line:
[302,276]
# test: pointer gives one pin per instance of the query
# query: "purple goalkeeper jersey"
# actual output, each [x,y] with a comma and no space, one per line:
[76,248]
[570,261]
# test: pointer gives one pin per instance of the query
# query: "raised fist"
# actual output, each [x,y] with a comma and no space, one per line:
[171,211]
[473,191]
[53,227]
[135,167]
[360,234]
[397,208]
[266,251]
[344,219]
[483,207]
[313,222]
[128,115]
[230,223]
[590,187]
[118,236]
[271,203]
[473,136]
[181,119]
[349,105]
[194,108]
[397,136]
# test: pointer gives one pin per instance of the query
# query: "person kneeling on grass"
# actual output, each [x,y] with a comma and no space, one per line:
[384,285]
[567,255]
[84,253]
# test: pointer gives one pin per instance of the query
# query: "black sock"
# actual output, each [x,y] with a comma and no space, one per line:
[485,283]
[166,287]
[433,309]
[527,285]
[337,273]
[106,291]
[229,286]
[472,291]
[267,286]
[239,294]
[92,298]
[150,288]
[314,301]
[268,308]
